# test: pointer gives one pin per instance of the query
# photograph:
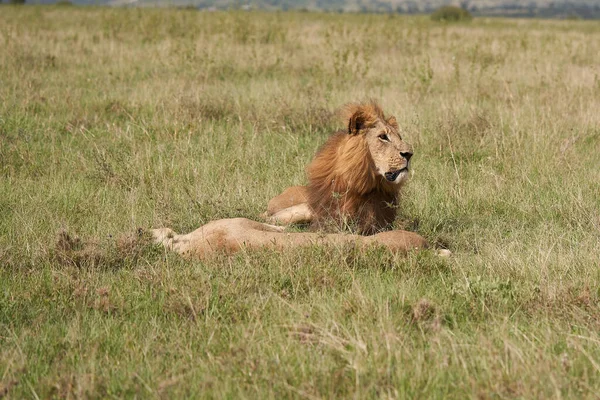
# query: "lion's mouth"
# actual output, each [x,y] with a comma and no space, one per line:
[393,175]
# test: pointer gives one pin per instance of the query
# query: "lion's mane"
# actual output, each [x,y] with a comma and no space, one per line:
[344,188]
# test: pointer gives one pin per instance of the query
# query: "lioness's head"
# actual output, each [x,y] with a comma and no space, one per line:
[391,155]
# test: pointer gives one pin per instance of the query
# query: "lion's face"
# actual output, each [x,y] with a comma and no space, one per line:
[390,153]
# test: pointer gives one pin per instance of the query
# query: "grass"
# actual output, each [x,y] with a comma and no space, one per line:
[114,119]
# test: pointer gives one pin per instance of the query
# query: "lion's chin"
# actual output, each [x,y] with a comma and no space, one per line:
[397,176]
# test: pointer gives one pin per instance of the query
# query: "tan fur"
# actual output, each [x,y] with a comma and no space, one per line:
[232,235]
[291,196]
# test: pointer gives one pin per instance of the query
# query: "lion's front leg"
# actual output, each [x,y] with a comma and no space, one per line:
[298,214]
[290,207]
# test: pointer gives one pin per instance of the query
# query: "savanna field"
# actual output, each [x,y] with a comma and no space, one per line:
[117,119]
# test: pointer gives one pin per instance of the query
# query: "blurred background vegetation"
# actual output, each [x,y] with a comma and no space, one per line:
[570,9]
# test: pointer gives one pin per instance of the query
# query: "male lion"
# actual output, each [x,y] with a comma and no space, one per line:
[355,178]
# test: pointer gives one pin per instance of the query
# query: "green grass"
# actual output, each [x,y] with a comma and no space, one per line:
[114,119]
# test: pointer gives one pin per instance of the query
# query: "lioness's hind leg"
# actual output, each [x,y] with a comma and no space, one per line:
[248,224]
[272,228]
[170,240]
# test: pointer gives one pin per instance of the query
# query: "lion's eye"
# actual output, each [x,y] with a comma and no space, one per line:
[384,137]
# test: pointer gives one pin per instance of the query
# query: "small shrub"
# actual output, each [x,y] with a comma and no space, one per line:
[16,1]
[64,3]
[451,14]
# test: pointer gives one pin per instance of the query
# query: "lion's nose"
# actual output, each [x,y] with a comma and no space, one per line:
[406,154]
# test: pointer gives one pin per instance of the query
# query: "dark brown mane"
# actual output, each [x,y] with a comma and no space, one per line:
[343,185]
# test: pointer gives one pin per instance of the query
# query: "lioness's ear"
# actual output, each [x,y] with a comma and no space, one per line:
[357,122]
[392,121]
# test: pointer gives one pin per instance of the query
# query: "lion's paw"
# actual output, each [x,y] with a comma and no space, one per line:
[443,253]
[162,235]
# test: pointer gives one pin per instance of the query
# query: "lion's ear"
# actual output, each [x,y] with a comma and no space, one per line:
[392,121]
[357,122]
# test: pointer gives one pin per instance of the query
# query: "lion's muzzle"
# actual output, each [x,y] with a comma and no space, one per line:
[393,175]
